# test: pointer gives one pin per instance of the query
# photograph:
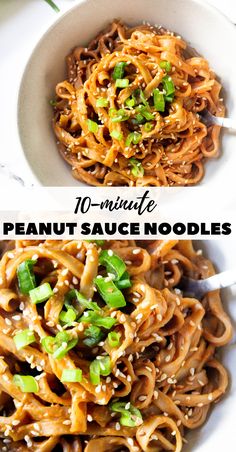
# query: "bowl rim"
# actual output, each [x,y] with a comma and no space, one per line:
[212,9]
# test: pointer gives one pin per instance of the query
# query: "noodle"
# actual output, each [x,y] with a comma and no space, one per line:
[163,367]
[121,134]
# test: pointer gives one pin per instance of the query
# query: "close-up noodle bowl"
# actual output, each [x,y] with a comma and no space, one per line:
[101,350]
[131,110]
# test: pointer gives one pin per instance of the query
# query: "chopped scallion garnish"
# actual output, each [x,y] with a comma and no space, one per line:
[97,320]
[92,126]
[112,296]
[118,115]
[71,376]
[93,335]
[124,282]
[168,85]
[25,276]
[79,301]
[166,65]
[23,338]
[133,137]
[68,316]
[41,293]
[102,102]
[148,127]
[119,70]
[114,339]
[113,263]
[159,100]
[59,345]
[122,82]
[145,111]
[137,169]
[130,102]
[129,418]
[117,135]
[26,383]
[100,366]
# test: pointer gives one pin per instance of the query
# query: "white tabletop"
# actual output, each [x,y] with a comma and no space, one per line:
[22,23]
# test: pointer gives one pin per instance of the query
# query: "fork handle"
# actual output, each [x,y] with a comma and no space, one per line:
[221,280]
[228,123]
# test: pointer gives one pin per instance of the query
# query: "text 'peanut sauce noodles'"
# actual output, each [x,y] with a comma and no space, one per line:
[128,113]
[100,351]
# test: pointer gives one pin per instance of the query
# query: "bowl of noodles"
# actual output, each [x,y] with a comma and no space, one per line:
[114,94]
[100,349]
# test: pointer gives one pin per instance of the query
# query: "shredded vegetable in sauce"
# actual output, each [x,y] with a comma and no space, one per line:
[128,366]
[129,112]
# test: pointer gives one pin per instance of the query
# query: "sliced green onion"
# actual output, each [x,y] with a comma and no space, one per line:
[129,418]
[166,65]
[117,135]
[112,296]
[137,169]
[130,102]
[94,336]
[94,372]
[71,376]
[159,100]
[100,366]
[26,383]
[143,98]
[48,344]
[124,282]
[23,338]
[118,115]
[105,365]
[119,70]
[80,300]
[53,5]
[139,97]
[68,316]
[62,351]
[133,137]
[114,339]
[59,345]
[148,127]
[168,85]
[122,82]
[102,102]
[97,320]
[92,126]
[169,98]
[25,276]
[41,293]
[113,263]
[139,119]
[145,111]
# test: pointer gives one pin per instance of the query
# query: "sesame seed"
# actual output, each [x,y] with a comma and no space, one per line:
[117,426]
[192,371]
[142,398]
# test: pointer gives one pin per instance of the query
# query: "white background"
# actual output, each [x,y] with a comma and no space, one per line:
[22,23]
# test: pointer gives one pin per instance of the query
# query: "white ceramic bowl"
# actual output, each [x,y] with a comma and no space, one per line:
[217,434]
[208,31]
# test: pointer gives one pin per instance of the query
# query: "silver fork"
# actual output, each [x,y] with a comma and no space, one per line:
[208,119]
[199,288]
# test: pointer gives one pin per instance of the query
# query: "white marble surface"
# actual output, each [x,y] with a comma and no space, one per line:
[22,23]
